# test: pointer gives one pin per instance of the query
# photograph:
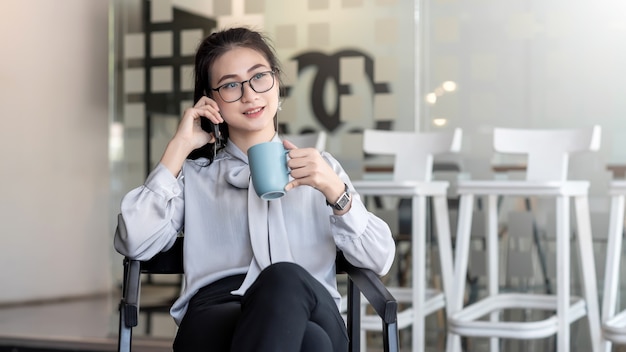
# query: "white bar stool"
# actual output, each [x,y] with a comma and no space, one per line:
[546,176]
[412,177]
[614,325]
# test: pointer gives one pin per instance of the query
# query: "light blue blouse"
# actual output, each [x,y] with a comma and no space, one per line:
[217,239]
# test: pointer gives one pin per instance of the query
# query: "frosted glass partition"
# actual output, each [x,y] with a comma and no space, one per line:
[537,64]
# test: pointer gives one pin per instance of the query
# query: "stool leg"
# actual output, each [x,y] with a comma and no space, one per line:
[492,260]
[445,246]
[542,257]
[588,270]
[418,248]
[440,209]
[614,249]
[563,273]
[466,207]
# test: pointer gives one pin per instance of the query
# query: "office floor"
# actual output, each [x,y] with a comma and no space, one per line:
[90,324]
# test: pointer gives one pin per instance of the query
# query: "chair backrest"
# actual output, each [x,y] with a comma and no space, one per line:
[413,151]
[548,150]
[315,140]
[168,262]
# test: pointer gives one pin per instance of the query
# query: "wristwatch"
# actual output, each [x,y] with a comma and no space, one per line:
[343,200]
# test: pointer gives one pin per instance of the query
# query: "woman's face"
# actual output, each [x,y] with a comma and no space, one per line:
[252,116]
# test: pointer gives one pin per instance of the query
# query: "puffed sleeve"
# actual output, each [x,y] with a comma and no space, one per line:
[364,238]
[153,214]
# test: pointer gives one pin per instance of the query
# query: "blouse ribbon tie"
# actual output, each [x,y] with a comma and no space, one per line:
[268,234]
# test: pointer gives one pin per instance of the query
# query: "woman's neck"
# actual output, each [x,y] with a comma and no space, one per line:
[246,140]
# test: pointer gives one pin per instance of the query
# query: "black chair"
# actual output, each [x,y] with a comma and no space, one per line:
[171,262]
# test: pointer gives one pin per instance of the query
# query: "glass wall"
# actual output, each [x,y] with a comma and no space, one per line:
[398,64]
[390,64]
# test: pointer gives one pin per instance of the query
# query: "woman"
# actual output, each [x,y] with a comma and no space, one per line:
[259,276]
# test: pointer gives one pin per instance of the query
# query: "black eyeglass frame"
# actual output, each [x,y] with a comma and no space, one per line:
[270,72]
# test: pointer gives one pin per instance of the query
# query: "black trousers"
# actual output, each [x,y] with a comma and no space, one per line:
[285,309]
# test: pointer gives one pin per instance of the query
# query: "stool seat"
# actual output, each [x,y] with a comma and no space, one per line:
[402,188]
[523,188]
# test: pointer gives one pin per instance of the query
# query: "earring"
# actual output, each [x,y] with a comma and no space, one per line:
[279,108]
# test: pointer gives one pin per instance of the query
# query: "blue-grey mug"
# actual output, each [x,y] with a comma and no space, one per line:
[268,169]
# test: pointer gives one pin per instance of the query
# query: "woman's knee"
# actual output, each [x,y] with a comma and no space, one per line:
[282,270]
[283,274]
[281,281]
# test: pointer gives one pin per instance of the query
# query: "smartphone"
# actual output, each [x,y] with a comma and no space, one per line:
[210,127]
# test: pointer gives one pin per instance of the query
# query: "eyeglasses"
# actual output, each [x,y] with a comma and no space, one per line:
[261,82]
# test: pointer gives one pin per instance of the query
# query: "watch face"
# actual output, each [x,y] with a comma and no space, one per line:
[342,202]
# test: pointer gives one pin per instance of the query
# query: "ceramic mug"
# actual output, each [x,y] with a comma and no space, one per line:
[268,169]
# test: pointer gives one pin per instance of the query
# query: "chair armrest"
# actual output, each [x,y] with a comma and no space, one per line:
[168,262]
[129,304]
[130,295]
[372,288]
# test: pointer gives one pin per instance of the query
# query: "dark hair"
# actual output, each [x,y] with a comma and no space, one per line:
[209,50]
